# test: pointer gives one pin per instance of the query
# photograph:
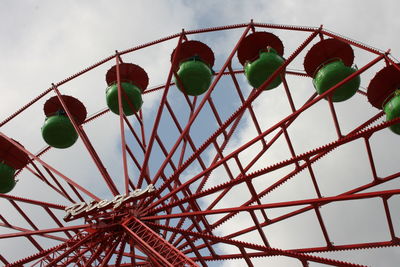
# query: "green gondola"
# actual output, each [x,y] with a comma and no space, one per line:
[194,76]
[331,74]
[259,70]
[392,110]
[133,93]
[58,131]
[7,182]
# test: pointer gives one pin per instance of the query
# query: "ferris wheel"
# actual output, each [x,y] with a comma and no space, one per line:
[268,146]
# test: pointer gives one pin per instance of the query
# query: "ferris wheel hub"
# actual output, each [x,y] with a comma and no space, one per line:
[105,209]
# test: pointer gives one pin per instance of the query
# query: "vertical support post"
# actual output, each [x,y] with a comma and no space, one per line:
[159,112]
[122,128]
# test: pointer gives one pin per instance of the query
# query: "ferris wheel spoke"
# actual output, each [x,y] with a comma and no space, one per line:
[72,246]
[104,246]
[57,221]
[303,156]
[267,250]
[36,256]
[313,201]
[345,196]
[172,165]
[60,190]
[68,180]
[159,113]
[2,259]
[122,117]
[242,100]
[142,129]
[250,99]
[54,178]
[121,251]
[26,232]
[307,164]
[302,210]
[33,202]
[335,248]
[27,219]
[89,147]
[187,138]
[141,143]
[109,252]
[196,223]
[199,108]
[265,147]
[274,127]
[294,114]
[353,246]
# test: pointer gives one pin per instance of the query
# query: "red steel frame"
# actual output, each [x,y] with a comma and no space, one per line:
[145,232]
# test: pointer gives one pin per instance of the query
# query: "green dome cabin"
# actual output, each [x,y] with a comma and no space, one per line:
[329,62]
[7,182]
[193,74]
[261,54]
[194,77]
[258,71]
[384,93]
[133,80]
[131,98]
[333,73]
[58,130]
[11,160]
[392,110]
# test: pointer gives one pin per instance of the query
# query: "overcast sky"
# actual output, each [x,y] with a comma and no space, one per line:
[46,41]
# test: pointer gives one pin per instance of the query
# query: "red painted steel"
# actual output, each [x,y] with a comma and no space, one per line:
[11,155]
[121,111]
[76,107]
[193,48]
[383,86]
[77,186]
[251,46]
[159,113]
[154,245]
[325,51]
[88,145]
[172,226]
[127,72]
